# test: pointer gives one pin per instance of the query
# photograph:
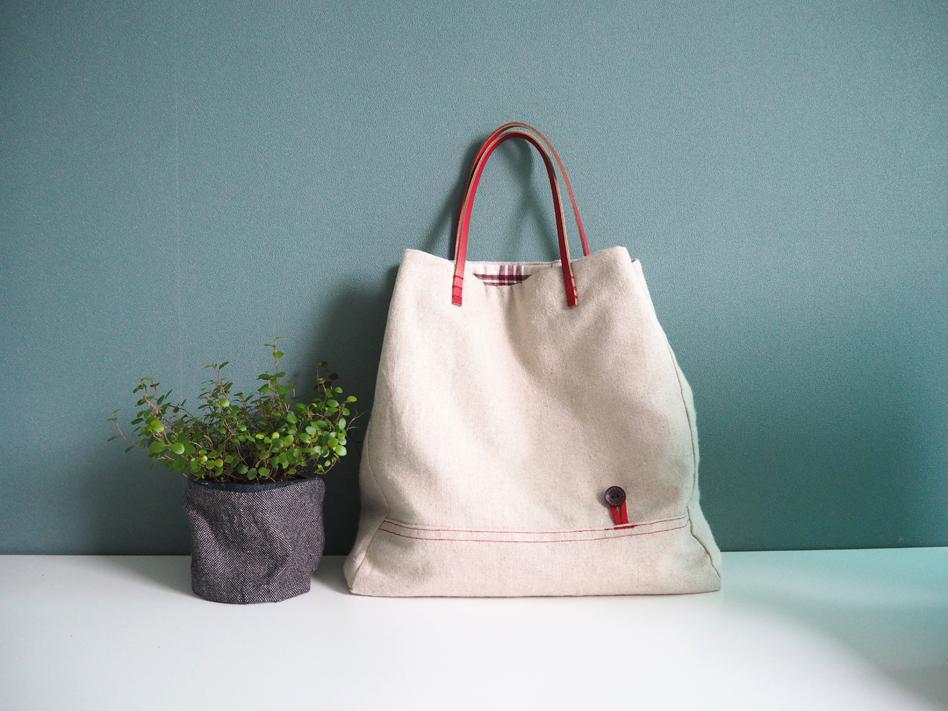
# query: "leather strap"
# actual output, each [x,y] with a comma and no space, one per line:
[559,162]
[505,132]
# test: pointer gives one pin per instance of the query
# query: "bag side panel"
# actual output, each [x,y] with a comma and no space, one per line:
[699,524]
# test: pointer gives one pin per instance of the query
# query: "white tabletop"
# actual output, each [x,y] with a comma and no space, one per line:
[791,630]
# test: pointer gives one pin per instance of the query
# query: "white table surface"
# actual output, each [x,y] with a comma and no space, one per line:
[803,630]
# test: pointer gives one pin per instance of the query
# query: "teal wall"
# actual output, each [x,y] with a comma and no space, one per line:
[181,182]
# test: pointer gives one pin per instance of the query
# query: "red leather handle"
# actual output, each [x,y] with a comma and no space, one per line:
[505,132]
[559,162]
[461,243]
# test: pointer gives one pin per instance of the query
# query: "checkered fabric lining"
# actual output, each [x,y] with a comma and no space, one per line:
[507,273]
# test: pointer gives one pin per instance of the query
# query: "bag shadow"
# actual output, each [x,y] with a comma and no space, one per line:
[350,333]
[348,336]
[530,208]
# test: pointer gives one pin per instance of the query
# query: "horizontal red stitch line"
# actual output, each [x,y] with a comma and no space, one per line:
[532,533]
[562,540]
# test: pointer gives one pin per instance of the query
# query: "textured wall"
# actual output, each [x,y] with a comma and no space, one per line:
[180,182]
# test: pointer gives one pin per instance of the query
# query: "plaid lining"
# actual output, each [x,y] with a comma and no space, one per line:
[507,273]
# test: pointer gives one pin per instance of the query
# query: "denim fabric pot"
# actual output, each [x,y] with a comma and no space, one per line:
[254,543]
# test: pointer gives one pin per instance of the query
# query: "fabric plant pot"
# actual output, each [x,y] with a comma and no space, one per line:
[254,543]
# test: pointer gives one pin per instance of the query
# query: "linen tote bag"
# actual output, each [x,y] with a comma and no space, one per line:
[532,433]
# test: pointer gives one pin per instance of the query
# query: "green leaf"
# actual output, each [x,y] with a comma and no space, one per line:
[251,473]
[223,364]
[278,354]
[157,448]
[290,417]
[311,430]
[287,441]
[242,469]
[264,471]
[341,451]
[177,448]
[350,399]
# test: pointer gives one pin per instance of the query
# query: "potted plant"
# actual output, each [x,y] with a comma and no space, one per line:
[254,495]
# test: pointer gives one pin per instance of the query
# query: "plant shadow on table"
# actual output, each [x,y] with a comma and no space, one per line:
[173,573]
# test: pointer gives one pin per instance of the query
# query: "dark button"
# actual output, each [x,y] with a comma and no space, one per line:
[615,496]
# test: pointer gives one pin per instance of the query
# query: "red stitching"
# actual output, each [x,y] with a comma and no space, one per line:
[532,533]
[562,540]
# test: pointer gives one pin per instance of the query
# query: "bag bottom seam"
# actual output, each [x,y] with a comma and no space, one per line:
[537,541]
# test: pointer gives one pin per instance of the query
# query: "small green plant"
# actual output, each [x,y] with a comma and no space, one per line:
[265,437]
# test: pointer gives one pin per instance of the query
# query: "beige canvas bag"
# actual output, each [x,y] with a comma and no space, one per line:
[532,433]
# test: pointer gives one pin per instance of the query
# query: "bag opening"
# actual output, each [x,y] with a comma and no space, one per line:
[507,273]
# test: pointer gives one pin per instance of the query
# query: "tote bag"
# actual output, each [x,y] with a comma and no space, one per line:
[532,433]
